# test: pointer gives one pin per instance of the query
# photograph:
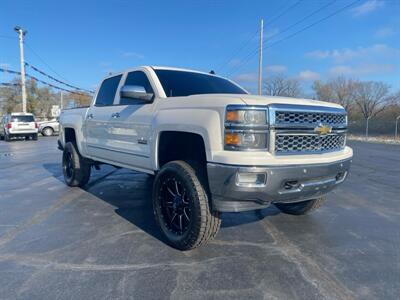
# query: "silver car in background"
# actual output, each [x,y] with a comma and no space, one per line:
[49,128]
[18,125]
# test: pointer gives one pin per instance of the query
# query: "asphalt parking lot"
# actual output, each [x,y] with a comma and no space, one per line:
[101,242]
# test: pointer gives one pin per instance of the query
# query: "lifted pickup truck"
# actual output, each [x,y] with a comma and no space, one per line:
[211,146]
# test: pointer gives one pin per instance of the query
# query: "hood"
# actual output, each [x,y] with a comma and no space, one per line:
[222,99]
[267,100]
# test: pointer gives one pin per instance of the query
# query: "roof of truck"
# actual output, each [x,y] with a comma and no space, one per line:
[179,69]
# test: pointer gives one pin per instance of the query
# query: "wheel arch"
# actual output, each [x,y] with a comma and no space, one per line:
[70,134]
[204,123]
[180,145]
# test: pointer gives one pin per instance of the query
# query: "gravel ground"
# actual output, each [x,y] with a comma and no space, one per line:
[101,242]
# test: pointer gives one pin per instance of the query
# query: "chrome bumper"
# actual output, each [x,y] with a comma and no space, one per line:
[283,184]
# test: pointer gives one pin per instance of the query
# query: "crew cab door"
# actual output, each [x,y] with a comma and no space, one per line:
[130,127]
[97,137]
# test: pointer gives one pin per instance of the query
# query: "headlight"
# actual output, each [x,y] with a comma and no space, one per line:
[245,140]
[247,117]
[246,127]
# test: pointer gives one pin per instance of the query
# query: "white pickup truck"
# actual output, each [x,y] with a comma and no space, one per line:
[211,145]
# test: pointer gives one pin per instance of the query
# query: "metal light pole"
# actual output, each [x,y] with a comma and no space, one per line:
[21,34]
[61,100]
[367,128]
[395,132]
[260,58]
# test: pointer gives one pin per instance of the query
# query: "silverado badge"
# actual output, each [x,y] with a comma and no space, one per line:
[323,129]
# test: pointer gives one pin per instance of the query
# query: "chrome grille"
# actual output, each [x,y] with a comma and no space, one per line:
[308,143]
[309,118]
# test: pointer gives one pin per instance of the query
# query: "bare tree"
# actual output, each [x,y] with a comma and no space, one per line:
[372,97]
[280,85]
[339,90]
[11,98]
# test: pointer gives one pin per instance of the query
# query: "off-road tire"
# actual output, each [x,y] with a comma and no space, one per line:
[300,208]
[47,131]
[204,223]
[76,169]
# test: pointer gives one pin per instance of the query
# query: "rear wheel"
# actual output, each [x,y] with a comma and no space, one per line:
[75,168]
[181,206]
[48,131]
[7,137]
[300,208]
[35,137]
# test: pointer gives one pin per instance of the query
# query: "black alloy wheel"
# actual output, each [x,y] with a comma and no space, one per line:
[76,169]
[175,206]
[182,205]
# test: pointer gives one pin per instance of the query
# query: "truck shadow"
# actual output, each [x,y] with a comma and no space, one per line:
[130,193]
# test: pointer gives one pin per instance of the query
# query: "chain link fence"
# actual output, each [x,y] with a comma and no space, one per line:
[378,127]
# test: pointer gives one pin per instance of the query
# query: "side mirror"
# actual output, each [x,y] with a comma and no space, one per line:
[136,92]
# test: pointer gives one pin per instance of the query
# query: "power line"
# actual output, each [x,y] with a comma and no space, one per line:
[313,24]
[9,84]
[44,62]
[304,18]
[284,12]
[246,43]
[41,81]
[239,49]
[55,79]
[45,74]
[251,55]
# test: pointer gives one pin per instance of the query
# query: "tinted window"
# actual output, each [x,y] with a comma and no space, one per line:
[22,119]
[137,78]
[181,83]
[107,91]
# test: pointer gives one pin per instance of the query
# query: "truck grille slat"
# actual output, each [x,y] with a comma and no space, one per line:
[308,143]
[309,118]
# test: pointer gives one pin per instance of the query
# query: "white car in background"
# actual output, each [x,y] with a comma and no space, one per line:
[18,125]
[49,128]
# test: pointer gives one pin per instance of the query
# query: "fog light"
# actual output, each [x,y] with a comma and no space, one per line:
[251,179]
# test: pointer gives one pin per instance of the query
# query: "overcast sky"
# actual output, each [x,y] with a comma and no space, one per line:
[82,41]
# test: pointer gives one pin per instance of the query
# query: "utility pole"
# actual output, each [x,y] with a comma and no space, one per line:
[21,34]
[61,100]
[367,128]
[395,132]
[260,58]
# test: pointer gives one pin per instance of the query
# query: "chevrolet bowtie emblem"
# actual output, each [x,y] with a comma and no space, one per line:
[323,129]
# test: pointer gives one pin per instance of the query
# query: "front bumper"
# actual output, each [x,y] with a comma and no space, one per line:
[283,184]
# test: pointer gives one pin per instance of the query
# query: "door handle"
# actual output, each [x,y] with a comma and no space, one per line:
[115,115]
[89,116]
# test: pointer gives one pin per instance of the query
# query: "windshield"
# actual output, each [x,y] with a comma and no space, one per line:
[22,119]
[183,83]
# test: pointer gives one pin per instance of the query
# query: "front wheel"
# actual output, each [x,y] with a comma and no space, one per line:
[75,168]
[181,206]
[48,131]
[300,208]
